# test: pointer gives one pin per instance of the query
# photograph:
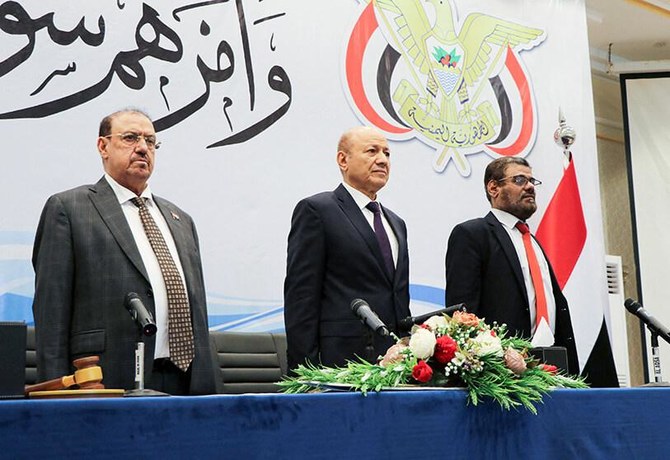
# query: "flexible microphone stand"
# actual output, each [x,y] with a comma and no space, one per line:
[406,324]
[656,329]
[369,347]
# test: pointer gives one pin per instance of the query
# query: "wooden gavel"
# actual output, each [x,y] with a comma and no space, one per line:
[88,376]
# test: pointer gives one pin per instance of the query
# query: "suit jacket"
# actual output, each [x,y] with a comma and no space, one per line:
[483,271]
[86,261]
[334,258]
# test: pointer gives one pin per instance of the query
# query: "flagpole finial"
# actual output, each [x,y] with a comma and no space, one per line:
[565,135]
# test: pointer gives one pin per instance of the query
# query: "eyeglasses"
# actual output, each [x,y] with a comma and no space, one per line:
[521,180]
[131,139]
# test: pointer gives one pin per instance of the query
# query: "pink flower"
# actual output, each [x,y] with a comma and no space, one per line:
[422,372]
[393,354]
[466,319]
[515,361]
[445,349]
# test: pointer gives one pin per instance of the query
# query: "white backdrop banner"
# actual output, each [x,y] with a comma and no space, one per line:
[250,98]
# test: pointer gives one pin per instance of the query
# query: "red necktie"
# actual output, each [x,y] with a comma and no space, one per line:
[535,275]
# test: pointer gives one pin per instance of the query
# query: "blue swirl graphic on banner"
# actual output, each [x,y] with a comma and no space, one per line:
[256,315]
[225,313]
[16,276]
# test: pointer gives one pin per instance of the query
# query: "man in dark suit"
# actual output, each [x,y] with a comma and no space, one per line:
[335,256]
[91,250]
[487,266]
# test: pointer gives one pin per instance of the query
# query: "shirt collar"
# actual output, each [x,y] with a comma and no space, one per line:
[359,197]
[505,218]
[123,194]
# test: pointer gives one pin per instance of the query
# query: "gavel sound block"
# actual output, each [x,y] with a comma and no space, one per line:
[88,376]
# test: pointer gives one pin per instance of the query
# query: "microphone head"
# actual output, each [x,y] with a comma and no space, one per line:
[631,305]
[356,304]
[406,324]
[149,329]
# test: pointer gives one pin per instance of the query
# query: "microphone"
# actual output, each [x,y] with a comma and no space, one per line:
[361,309]
[652,323]
[406,324]
[140,314]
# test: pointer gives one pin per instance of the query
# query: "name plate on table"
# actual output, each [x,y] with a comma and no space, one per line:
[12,359]
[558,356]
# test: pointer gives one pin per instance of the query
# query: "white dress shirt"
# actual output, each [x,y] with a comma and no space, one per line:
[362,201]
[149,259]
[508,222]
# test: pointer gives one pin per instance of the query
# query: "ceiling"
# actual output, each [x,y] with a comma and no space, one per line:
[639,34]
[638,30]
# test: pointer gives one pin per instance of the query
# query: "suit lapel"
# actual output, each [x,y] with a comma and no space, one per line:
[110,211]
[172,218]
[397,228]
[354,214]
[503,238]
[180,234]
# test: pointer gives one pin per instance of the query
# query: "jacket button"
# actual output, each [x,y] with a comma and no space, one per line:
[150,293]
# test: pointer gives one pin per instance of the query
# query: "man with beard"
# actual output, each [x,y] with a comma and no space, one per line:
[491,269]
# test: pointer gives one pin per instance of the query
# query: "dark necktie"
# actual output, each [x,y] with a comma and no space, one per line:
[535,275]
[382,237]
[180,330]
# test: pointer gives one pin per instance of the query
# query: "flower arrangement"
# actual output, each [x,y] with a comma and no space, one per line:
[457,351]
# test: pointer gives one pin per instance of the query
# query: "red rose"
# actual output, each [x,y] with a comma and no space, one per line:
[549,368]
[445,349]
[422,372]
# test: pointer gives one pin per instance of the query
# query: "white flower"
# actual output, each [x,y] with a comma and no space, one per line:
[435,322]
[459,359]
[487,344]
[422,343]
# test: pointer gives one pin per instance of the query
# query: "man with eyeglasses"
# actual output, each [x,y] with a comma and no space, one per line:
[97,243]
[491,270]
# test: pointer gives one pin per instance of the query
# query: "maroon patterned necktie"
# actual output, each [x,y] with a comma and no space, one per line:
[382,236]
[180,330]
